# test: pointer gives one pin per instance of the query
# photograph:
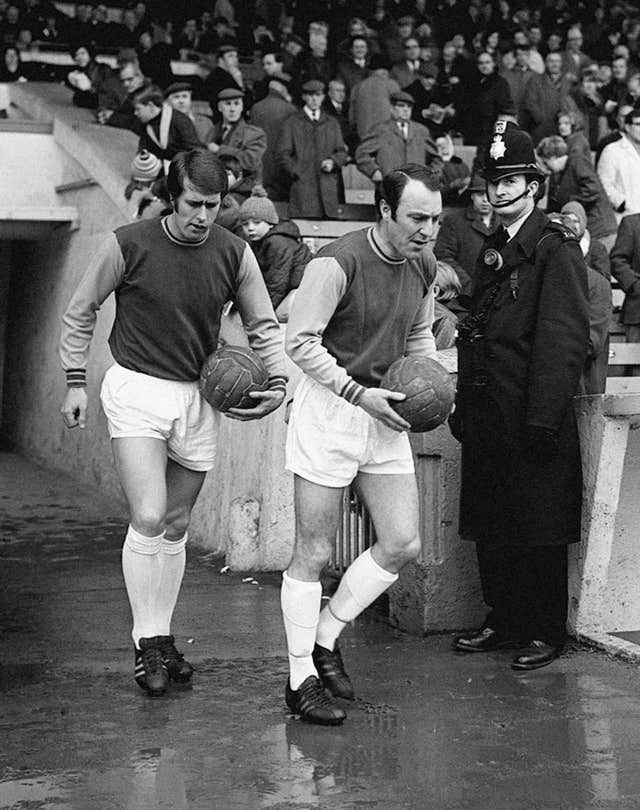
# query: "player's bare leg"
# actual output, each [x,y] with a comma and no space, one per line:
[152,562]
[317,516]
[392,502]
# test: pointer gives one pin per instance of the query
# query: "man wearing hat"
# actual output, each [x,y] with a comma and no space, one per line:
[521,352]
[312,152]
[396,141]
[406,70]
[463,232]
[179,96]
[233,136]
[432,106]
[226,74]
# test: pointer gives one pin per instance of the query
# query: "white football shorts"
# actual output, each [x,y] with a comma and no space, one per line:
[329,440]
[138,405]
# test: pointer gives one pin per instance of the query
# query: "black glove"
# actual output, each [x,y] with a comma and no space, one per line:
[541,444]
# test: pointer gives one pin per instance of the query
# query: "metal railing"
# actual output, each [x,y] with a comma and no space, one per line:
[355,531]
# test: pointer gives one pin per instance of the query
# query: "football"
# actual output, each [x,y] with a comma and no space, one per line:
[429,391]
[230,374]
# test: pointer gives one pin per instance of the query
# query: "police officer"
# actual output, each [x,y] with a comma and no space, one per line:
[521,352]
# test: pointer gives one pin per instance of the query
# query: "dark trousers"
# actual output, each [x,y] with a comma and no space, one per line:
[527,591]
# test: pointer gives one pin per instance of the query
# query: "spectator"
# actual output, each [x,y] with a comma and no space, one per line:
[187,43]
[394,142]
[273,65]
[431,107]
[536,61]
[95,85]
[129,32]
[232,135]
[123,116]
[407,70]
[594,252]
[463,232]
[312,153]
[155,60]
[179,96]
[51,33]
[293,46]
[446,289]
[229,213]
[314,64]
[487,98]
[615,135]
[518,76]
[576,140]
[455,172]
[335,104]
[11,26]
[394,37]
[573,178]
[226,75]
[619,167]
[594,375]
[355,68]
[574,60]
[370,101]
[269,115]
[591,107]
[614,92]
[544,97]
[625,268]
[165,131]
[11,67]
[633,90]
[278,247]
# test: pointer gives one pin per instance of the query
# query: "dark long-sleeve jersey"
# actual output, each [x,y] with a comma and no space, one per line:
[169,299]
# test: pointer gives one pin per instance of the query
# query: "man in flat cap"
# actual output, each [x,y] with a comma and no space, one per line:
[226,74]
[234,137]
[521,353]
[179,96]
[396,141]
[312,152]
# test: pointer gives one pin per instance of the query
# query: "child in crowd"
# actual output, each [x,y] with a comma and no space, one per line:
[229,213]
[279,249]
[447,288]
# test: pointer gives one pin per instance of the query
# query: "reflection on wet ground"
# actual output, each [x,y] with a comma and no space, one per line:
[431,729]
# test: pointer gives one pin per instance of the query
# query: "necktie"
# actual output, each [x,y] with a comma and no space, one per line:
[501,237]
[225,130]
[404,129]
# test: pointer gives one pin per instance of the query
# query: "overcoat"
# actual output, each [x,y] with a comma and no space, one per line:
[531,358]
[304,144]
[460,239]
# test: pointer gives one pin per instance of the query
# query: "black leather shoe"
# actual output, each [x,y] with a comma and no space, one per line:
[313,704]
[332,672]
[537,654]
[484,640]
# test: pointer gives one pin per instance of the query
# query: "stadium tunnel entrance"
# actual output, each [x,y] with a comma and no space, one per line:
[31,166]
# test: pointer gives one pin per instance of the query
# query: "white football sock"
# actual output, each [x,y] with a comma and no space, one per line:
[362,583]
[173,556]
[141,566]
[300,603]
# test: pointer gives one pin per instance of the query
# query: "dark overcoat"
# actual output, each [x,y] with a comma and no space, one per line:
[460,239]
[304,144]
[531,358]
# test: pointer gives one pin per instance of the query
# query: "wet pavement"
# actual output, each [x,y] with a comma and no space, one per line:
[431,729]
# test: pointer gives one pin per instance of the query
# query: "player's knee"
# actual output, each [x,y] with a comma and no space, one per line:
[177,522]
[148,520]
[315,550]
[405,547]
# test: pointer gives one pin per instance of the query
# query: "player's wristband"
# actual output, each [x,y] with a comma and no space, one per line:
[352,392]
[76,377]
[278,383]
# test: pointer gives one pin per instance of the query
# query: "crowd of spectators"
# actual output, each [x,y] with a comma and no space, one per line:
[288,92]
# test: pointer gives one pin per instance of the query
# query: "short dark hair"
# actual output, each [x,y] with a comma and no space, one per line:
[231,164]
[394,182]
[149,95]
[201,168]
[75,47]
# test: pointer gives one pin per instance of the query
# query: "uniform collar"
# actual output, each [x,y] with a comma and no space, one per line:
[528,232]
